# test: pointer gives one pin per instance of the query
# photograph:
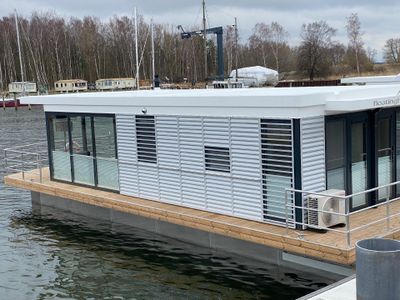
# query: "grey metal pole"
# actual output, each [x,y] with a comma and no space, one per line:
[205,41]
[152,53]
[136,50]
[19,48]
[236,49]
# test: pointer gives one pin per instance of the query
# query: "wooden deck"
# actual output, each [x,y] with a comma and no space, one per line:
[329,246]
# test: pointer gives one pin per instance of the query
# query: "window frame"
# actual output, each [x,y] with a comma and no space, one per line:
[209,162]
[139,148]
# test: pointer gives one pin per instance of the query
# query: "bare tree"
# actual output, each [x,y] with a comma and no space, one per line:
[354,34]
[391,51]
[313,51]
[260,39]
[277,35]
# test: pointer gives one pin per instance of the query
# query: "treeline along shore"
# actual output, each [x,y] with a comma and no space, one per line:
[55,47]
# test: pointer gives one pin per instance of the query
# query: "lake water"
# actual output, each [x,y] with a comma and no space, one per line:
[60,256]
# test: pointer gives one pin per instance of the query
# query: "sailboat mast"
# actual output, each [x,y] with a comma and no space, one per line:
[19,47]
[136,50]
[205,40]
[236,50]
[152,52]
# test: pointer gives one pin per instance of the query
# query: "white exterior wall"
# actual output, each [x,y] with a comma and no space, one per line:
[179,177]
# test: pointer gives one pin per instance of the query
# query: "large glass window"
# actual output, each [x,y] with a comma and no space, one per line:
[358,163]
[83,150]
[384,155]
[335,155]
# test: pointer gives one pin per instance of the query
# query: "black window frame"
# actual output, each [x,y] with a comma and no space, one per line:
[50,134]
[146,139]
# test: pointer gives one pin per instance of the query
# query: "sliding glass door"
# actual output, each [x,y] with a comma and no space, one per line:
[363,152]
[347,156]
[83,149]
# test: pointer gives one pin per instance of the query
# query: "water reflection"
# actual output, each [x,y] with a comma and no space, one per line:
[96,259]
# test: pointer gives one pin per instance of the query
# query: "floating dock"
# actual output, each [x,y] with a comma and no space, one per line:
[309,248]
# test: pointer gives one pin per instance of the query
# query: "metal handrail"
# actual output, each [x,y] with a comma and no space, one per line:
[348,231]
[22,158]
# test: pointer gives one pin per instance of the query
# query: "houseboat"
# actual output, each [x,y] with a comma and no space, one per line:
[115,84]
[70,85]
[22,87]
[227,84]
[234,169]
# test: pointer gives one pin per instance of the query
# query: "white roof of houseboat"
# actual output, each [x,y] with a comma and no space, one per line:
[389,79]
[257,102]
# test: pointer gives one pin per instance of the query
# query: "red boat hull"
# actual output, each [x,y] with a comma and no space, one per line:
[11,103]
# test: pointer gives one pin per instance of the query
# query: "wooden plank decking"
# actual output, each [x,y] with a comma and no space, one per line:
[329,246]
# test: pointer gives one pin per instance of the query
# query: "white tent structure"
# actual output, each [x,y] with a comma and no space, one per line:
[256,76]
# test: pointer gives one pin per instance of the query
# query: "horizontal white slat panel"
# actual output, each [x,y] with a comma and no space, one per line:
[179,176]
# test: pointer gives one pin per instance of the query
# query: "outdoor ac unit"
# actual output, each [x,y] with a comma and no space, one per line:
[324,204]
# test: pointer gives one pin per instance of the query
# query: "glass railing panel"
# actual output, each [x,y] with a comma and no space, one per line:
[83,169]
[107,173]
[61,165]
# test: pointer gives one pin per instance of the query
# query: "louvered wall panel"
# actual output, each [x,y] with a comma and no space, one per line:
[180,177]
[148,181]
[167,142]
[219,194]
[170,186]
[168,159]
[127,155]
[312,156]
[247,199]
[191,144]
[246,163]
[193,190]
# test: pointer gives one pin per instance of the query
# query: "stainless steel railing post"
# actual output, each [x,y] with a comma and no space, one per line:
[23,166]
[5,160]
[348,233]
[387,210]
[39,167]
[286,213]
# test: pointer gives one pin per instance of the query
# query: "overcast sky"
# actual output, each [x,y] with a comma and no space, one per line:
[379,19]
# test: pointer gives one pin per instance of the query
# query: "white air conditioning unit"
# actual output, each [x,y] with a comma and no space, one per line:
[325,205]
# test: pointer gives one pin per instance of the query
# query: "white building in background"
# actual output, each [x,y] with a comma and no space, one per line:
[70,85]
[22,87]
[115,83]
[256,76]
